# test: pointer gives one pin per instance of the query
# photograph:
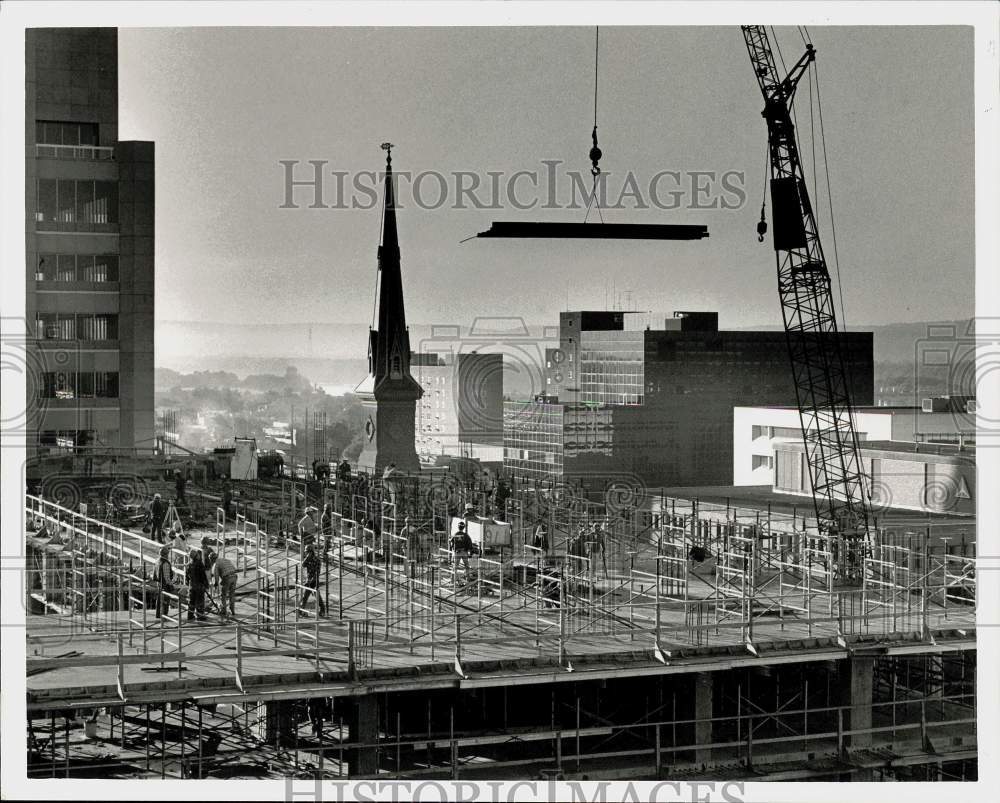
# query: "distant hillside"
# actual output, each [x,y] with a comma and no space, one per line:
[336,354]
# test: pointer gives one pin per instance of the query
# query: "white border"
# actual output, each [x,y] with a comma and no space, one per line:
[15,17]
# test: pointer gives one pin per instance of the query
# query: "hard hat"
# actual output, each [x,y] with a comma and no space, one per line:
[164,552]
[461,525]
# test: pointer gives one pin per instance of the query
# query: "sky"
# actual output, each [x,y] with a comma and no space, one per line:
[226,105]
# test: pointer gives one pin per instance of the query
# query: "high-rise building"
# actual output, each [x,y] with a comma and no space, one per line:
[89,238]
[652,407]
[461,411]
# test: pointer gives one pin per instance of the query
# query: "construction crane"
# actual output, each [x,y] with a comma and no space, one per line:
[822,384]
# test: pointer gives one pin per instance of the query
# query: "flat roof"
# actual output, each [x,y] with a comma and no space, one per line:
[762,496]
[910,447]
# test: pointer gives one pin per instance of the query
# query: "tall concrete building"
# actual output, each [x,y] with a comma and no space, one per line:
[461,411]
[652,407]
[389,393]
[89,235]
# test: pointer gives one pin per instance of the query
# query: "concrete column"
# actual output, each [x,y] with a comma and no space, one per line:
[856,678]
[362,727]
[279,722]
[702,714]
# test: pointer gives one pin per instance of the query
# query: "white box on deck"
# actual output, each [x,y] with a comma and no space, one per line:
[243,465]
[485,533]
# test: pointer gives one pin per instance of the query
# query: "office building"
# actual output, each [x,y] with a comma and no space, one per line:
[652,407]
[89,237]
[461,411]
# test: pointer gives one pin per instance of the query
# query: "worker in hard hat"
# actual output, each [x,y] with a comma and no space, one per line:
[308,526]
[461,545]
[164,577]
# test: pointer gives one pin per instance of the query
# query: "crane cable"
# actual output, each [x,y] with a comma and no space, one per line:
[595,151]
[829,196]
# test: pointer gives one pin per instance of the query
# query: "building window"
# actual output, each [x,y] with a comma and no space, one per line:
[62,326]
[79,385]
[50,132]
[77,268]
[76,205]
[762,461]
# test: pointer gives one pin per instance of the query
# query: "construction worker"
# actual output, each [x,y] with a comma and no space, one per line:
[180,483]
[164,577]
[208,554]
[326,523]
[308,527]
[179,544]
[389,481]
[225,574]
[227,500]
[597,548]
[500,496]
[157,514]
[461,545]
[409,532]
[541,539]
[310,565]
[197,580]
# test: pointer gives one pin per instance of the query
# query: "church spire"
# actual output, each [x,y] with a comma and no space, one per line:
[390,392]
[391,342]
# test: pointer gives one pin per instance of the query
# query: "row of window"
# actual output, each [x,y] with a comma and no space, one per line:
[77,268]
[51,132]
[67,439]
[76,201]
[79,385]
[69,326]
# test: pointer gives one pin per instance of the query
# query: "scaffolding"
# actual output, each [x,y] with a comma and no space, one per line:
[666,582]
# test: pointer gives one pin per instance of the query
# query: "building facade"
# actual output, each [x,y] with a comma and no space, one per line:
[759,431]
[89,237]
[461,411]
[902,475]
[652,407]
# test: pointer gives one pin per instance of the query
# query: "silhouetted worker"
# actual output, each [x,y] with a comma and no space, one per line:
[389,481]
[180,484]
[227,500]
[500,496]
[225,574]
[209,555]
[157,514]
[326,522]
[308,527]
[164,577]
[461,545]
[595,539]
[311,566]
[197,580]
[344,471]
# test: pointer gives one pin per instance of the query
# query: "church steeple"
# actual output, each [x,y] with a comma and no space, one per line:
[390,392]
[391,342]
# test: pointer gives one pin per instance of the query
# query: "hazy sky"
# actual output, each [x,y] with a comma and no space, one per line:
[225,105]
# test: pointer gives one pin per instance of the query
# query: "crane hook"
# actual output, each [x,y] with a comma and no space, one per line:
[595,155]
[762,226]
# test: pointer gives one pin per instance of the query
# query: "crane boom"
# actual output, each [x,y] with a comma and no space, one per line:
[822,384]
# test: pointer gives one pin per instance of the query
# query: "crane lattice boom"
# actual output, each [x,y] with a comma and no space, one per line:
[822,384]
